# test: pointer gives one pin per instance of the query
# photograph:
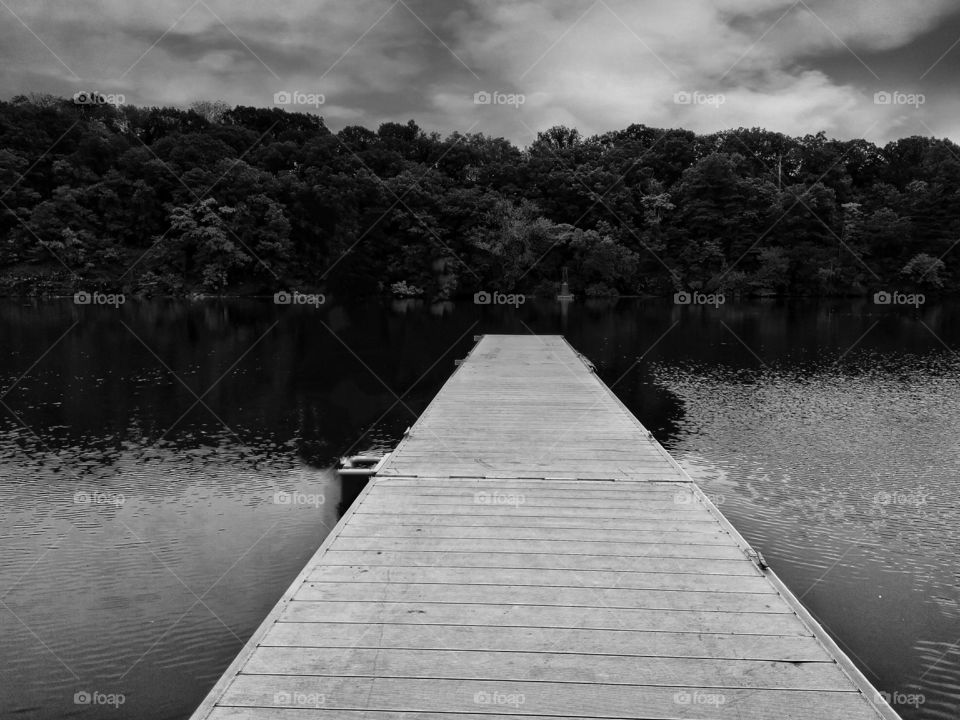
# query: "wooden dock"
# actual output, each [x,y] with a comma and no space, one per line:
[530,551]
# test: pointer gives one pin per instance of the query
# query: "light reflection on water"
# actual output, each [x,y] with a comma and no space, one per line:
[843,473]
[143,576]
[846,477]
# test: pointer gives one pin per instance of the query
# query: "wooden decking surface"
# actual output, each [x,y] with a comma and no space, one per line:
[526,406]
[529,551]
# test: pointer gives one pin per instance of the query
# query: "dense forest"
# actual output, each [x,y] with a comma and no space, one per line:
[244,200]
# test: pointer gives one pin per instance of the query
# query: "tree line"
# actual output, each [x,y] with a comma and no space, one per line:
[244,200]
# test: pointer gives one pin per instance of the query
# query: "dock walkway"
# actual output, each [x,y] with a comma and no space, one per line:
[530,551]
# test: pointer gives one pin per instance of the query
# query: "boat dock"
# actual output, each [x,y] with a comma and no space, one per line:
[530,551]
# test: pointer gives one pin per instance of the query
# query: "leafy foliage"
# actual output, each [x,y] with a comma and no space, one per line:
[243,199]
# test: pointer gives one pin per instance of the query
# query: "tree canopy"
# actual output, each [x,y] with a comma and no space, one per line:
[217,199]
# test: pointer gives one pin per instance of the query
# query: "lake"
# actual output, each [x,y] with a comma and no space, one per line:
[141,450]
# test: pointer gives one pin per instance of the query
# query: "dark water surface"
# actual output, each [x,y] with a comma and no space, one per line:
[141,451]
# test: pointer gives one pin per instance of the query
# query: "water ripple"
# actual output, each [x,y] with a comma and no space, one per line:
[846,476]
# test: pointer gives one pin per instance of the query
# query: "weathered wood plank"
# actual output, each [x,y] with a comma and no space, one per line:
[453,483]
[659,524]
[542,698]
[551,666]
[536,595]
[641,643]
[600,618]
[649,491]
[314,713]
[678,512]
[498,498]
[569,489]
[521,533]
[542,561]
[559,547]
[585,469]
[545,578]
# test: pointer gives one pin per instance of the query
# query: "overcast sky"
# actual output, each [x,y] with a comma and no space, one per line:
[795,67]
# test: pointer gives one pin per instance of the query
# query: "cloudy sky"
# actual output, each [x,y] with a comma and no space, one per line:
[795,67]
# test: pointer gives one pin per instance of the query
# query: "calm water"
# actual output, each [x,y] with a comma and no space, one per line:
[827,432]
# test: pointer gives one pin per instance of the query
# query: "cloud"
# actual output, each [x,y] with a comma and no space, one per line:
[620,63]
[598,65]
